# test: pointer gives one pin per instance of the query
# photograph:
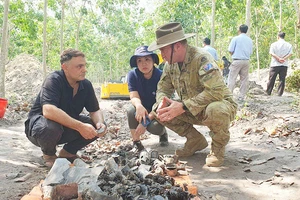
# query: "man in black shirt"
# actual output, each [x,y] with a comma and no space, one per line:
[55,116]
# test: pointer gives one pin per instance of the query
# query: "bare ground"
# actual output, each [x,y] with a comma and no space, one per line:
[262,157]
[261,160]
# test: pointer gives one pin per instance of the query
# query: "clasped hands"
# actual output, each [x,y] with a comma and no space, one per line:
[168,109]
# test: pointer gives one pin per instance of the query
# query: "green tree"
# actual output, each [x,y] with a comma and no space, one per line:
[3,49]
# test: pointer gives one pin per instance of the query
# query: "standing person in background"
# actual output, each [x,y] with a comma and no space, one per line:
[204,99]
[56,118]
[210,49]
[280,52]
[240,48]
[142,84]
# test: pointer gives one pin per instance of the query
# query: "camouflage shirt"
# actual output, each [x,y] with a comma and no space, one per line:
[198,83]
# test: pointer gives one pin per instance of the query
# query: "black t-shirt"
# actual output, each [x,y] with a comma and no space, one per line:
[145,87]
[57,91]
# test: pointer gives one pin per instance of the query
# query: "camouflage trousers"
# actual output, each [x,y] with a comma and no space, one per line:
[217,116]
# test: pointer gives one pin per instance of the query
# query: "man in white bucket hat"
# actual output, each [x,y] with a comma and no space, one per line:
[204,99]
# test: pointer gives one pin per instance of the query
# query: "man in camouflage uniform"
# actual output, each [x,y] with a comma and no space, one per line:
[204,97]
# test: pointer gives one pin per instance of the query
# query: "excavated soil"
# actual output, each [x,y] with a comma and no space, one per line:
[261,161]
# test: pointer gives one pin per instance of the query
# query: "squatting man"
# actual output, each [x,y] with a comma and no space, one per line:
[56,118]
[204,97]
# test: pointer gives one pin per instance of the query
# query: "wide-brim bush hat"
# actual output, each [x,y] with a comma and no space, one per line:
[141,52]
[167,34]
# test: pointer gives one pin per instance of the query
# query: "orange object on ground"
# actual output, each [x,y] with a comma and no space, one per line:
[185,180]
[35,194]
[3,105]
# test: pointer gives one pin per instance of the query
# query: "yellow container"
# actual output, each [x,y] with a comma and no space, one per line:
[114,91]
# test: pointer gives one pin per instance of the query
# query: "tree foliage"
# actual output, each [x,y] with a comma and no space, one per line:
[108,31]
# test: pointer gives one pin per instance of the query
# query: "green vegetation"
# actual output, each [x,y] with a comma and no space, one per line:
[293,82]
[109,31]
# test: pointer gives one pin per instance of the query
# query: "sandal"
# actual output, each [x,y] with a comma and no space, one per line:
[49,160]
[70,157]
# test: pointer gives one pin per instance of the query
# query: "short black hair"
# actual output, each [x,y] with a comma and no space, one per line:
[243,28]
[206,41]
[68,54]
[281,34]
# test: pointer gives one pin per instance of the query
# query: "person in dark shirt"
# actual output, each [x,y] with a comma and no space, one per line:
[56,118]
[142,84]
[225,71]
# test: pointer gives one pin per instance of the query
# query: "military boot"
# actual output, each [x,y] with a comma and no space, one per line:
[216,156]
[195,141]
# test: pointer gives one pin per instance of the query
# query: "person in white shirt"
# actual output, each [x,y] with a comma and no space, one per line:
[280,52]
[240,48]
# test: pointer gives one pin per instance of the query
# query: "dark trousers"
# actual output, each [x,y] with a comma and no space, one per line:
[47,134]
[274,71]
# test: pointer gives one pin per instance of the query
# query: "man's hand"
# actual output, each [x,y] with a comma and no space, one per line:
[87,131]
[164,103]
[281,60]
[101,129]
[169,109]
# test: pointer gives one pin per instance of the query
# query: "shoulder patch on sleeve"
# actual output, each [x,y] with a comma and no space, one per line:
[208,67]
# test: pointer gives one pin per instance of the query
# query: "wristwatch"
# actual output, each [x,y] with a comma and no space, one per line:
[184,107]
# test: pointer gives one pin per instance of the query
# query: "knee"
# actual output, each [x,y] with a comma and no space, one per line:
[44,126]
[156,128]
[131,117]
[131,111]
[54,128]
[218,111]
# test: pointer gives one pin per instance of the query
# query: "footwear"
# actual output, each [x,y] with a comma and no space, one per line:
[216,157]
[163,140]
[70,157]
[49,160]
[195,142]
[138,145]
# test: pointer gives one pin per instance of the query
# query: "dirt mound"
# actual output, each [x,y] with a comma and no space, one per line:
[23,79]
[24,76]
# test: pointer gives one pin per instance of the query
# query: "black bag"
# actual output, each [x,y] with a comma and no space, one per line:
[226,63]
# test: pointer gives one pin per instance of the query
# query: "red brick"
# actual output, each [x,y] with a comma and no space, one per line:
[68,191]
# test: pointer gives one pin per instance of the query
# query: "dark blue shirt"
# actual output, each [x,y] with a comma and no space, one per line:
[57,91]
[145,87]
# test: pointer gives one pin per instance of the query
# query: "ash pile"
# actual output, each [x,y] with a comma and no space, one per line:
[125,175]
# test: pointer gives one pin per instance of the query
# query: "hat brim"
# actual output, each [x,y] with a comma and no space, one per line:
[154,46]
[133,59]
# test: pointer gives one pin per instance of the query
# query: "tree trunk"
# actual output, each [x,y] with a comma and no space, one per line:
[78,19]
[248,16]
[77,32]
[297,12]
[62,25]
[280,15]
[213,14]
[4,49]
[45,38]
[256,44]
